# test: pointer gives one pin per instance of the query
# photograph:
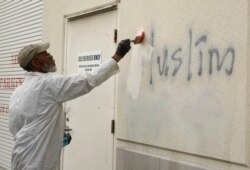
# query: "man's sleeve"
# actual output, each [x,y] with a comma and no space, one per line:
[70,87]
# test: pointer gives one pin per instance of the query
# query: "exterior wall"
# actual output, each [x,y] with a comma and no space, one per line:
[177,105]
[182,93]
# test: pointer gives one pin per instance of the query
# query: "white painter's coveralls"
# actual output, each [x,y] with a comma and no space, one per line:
[36,117]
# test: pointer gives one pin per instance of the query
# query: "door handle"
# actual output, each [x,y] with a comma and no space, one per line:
[67,129]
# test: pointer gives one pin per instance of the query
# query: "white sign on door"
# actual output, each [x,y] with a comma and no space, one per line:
[89,61]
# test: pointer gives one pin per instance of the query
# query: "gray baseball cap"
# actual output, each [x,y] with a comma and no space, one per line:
[28,52]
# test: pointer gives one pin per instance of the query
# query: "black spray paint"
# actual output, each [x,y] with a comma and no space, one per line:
[203,40]
[171,66]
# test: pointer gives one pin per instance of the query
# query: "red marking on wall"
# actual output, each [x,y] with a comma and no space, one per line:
[4,109]
[14,60]
[10,83]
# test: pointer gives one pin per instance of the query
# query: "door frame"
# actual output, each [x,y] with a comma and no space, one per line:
[79,15]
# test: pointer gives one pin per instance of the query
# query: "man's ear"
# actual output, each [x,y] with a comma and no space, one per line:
[36,65]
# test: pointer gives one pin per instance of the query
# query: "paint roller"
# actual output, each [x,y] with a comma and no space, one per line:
[139,38]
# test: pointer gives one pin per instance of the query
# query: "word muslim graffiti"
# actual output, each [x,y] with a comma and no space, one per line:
[212,59]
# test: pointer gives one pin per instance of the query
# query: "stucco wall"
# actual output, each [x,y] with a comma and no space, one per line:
[184,88]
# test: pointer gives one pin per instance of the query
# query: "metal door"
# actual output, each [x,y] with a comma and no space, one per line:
[90,116]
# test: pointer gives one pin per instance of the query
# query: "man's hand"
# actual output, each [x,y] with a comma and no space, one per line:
[123,48]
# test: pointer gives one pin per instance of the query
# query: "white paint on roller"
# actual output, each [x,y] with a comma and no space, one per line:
[139,31]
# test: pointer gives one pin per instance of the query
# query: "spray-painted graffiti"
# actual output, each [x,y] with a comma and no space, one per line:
[170,64]
[10,83]
[14,59]
[4,109]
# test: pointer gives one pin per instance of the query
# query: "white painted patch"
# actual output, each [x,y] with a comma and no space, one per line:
[139,53]
[134,75]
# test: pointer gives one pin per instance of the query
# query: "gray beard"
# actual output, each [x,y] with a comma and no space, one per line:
[53,69]
[49,68]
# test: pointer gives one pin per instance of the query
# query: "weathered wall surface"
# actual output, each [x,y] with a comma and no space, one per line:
[184,88]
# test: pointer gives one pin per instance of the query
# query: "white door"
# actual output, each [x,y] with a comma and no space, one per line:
[90,116]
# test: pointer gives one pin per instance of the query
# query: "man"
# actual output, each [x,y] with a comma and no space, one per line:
[36,117]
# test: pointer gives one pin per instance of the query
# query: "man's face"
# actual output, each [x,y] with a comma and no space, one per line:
[46,61]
